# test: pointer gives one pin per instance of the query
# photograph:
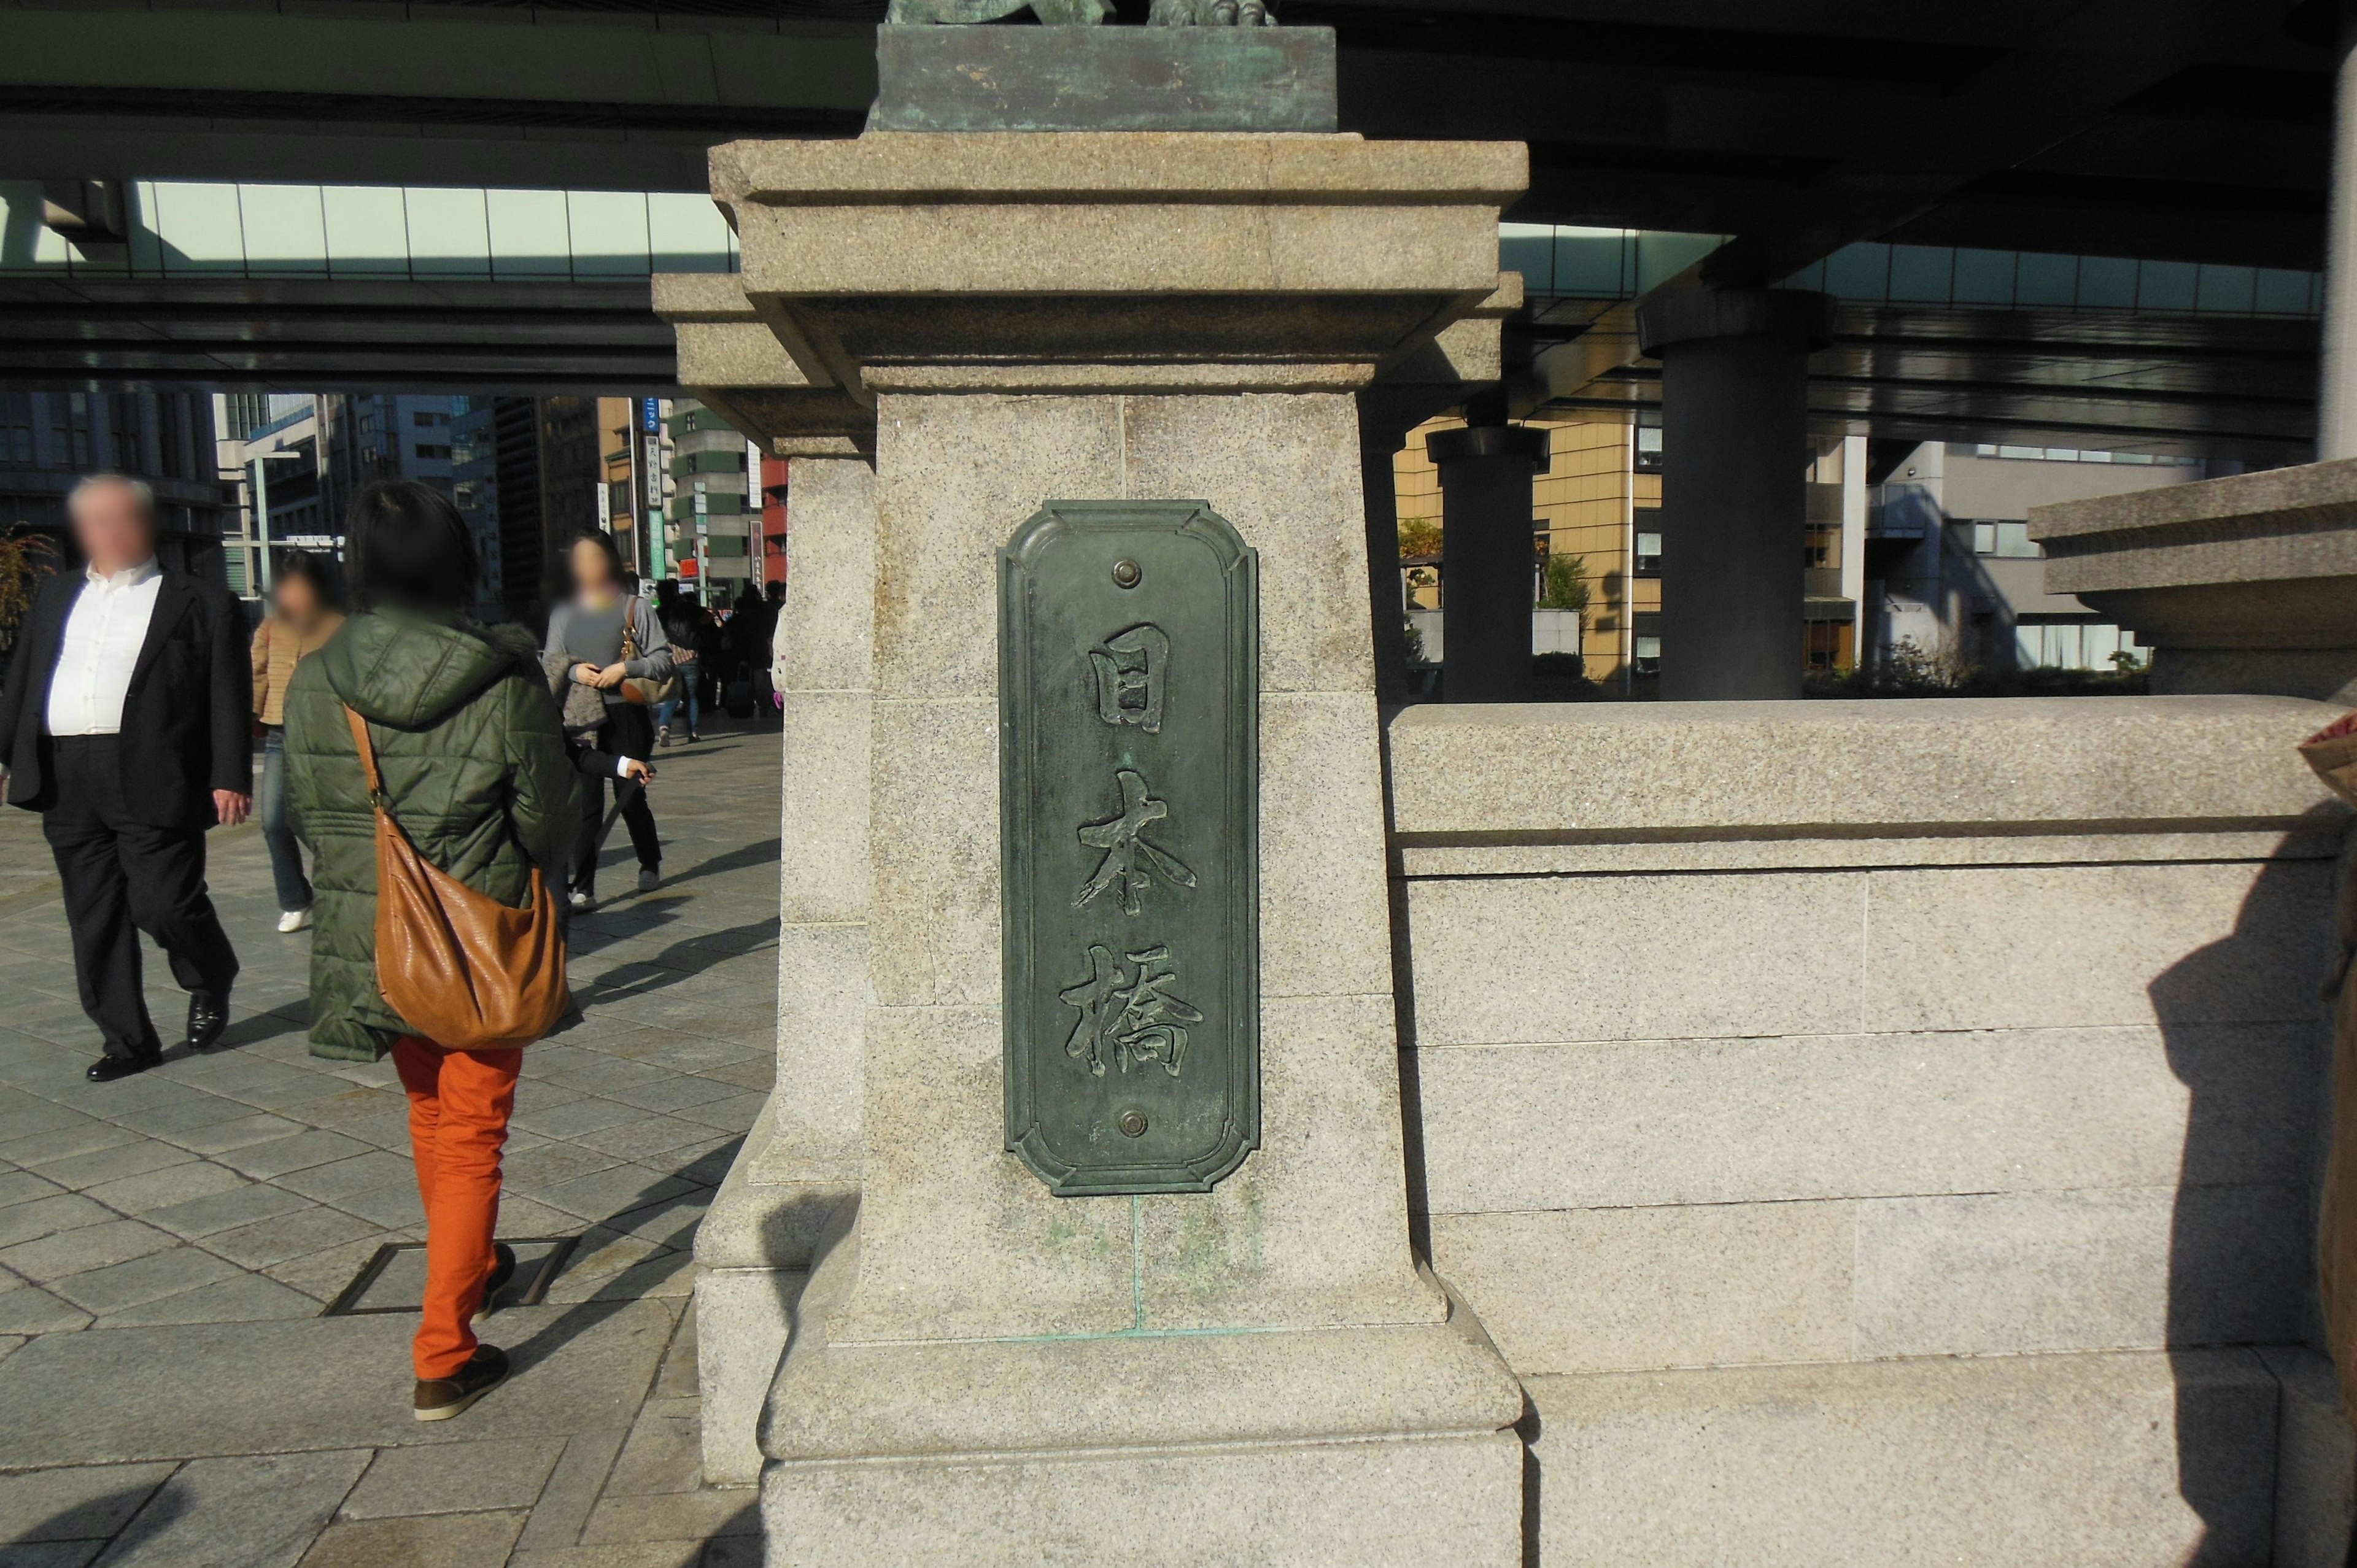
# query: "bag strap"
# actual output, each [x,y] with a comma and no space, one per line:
[367,749]
[633,646]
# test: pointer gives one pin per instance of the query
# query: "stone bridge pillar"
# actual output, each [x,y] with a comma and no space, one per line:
[1248,1365]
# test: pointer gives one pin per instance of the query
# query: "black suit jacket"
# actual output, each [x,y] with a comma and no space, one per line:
[188,723]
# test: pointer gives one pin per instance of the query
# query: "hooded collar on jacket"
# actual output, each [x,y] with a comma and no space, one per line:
[409,671]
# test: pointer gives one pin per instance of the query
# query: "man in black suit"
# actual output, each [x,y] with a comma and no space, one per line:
[126,723]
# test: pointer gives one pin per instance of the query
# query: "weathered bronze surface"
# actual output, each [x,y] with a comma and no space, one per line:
[1104,79]
[1129,777]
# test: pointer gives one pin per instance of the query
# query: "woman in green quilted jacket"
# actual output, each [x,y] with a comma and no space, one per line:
[474,765]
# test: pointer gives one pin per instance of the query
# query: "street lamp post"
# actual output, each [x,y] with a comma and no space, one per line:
[261,487]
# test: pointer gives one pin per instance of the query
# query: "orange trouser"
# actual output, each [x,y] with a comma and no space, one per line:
[458,1107]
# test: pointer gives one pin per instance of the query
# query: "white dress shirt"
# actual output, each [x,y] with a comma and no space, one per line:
[103,636]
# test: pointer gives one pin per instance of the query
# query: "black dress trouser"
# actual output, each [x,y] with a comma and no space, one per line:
[629,731]
[123,876]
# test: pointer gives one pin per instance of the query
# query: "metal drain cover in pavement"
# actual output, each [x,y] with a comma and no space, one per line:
[395,1279]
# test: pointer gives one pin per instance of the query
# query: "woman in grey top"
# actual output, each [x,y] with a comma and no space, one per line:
[590,631]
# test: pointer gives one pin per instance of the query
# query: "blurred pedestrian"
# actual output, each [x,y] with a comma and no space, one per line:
[126,722]
[758,612]
[306,607]
[614,639]
[474,770]
[684,625]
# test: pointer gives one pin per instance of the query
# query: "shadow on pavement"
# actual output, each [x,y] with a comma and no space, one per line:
[678,1234]
[96,1520]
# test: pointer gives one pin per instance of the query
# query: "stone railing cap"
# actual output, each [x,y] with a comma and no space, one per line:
[1653,770]
[2303,490]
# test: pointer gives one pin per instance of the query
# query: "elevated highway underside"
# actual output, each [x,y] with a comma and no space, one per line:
[2184,132]
[397,337]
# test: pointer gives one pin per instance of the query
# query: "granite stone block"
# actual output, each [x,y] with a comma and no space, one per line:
[261,1511]
[237,1298]
[822,1025]
[298,1152]
[167,1186]
[1298,503]
[218,1138]
[934,922]
[1324,927]
[143,1280]
[2094,945]
[453,1477]
[79,1503]
[451,1541]
[1449,1499]
[1637,770]
[956,477]
[48,1216]
[103,1167]
[940,1193]
[1571,1126]
[291,1235]
[827,640]
[1590,1290]
[26,1309]
[2149,1268]
[225,1210]
[825,793]
[1664,957]
[1312,1231]
[2131,1457]
[84,1247]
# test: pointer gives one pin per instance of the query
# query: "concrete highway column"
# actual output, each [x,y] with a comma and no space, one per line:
[1386,600]
[2336,412]
[1486,564]
[1735,368]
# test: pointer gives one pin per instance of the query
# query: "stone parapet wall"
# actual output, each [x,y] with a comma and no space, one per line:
[1765,1058]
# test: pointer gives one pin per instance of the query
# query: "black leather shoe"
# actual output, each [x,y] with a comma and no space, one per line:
[109,1068]
[207,1017]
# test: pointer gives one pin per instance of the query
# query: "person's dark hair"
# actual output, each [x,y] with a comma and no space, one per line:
[319,570]
[409,548]
[605,542]
[777,593]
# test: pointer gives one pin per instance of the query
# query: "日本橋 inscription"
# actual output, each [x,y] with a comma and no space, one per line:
[1129,785]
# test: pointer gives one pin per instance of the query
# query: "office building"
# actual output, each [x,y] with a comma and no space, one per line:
[49,440]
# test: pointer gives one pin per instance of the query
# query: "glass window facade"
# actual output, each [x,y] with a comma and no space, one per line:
[197,228]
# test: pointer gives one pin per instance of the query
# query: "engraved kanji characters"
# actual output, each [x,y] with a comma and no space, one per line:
[1127,1011]
[1129,1017]
[1128,852]
[1129,666]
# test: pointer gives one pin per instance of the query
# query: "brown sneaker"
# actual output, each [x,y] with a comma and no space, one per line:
[439,1399]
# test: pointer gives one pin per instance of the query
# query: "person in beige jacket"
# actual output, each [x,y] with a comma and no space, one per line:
[305,610]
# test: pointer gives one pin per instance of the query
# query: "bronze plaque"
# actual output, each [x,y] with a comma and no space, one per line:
[1129,779]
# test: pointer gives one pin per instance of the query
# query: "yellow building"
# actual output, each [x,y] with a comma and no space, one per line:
[1596,501]
[1600,500]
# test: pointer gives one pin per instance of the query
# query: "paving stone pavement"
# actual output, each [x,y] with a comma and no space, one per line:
[170,1396]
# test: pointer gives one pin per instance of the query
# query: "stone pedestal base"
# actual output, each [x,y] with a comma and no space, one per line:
[1340,1446]
[1433,1500]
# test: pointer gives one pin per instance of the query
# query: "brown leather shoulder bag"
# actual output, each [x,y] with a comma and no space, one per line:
[461,967]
